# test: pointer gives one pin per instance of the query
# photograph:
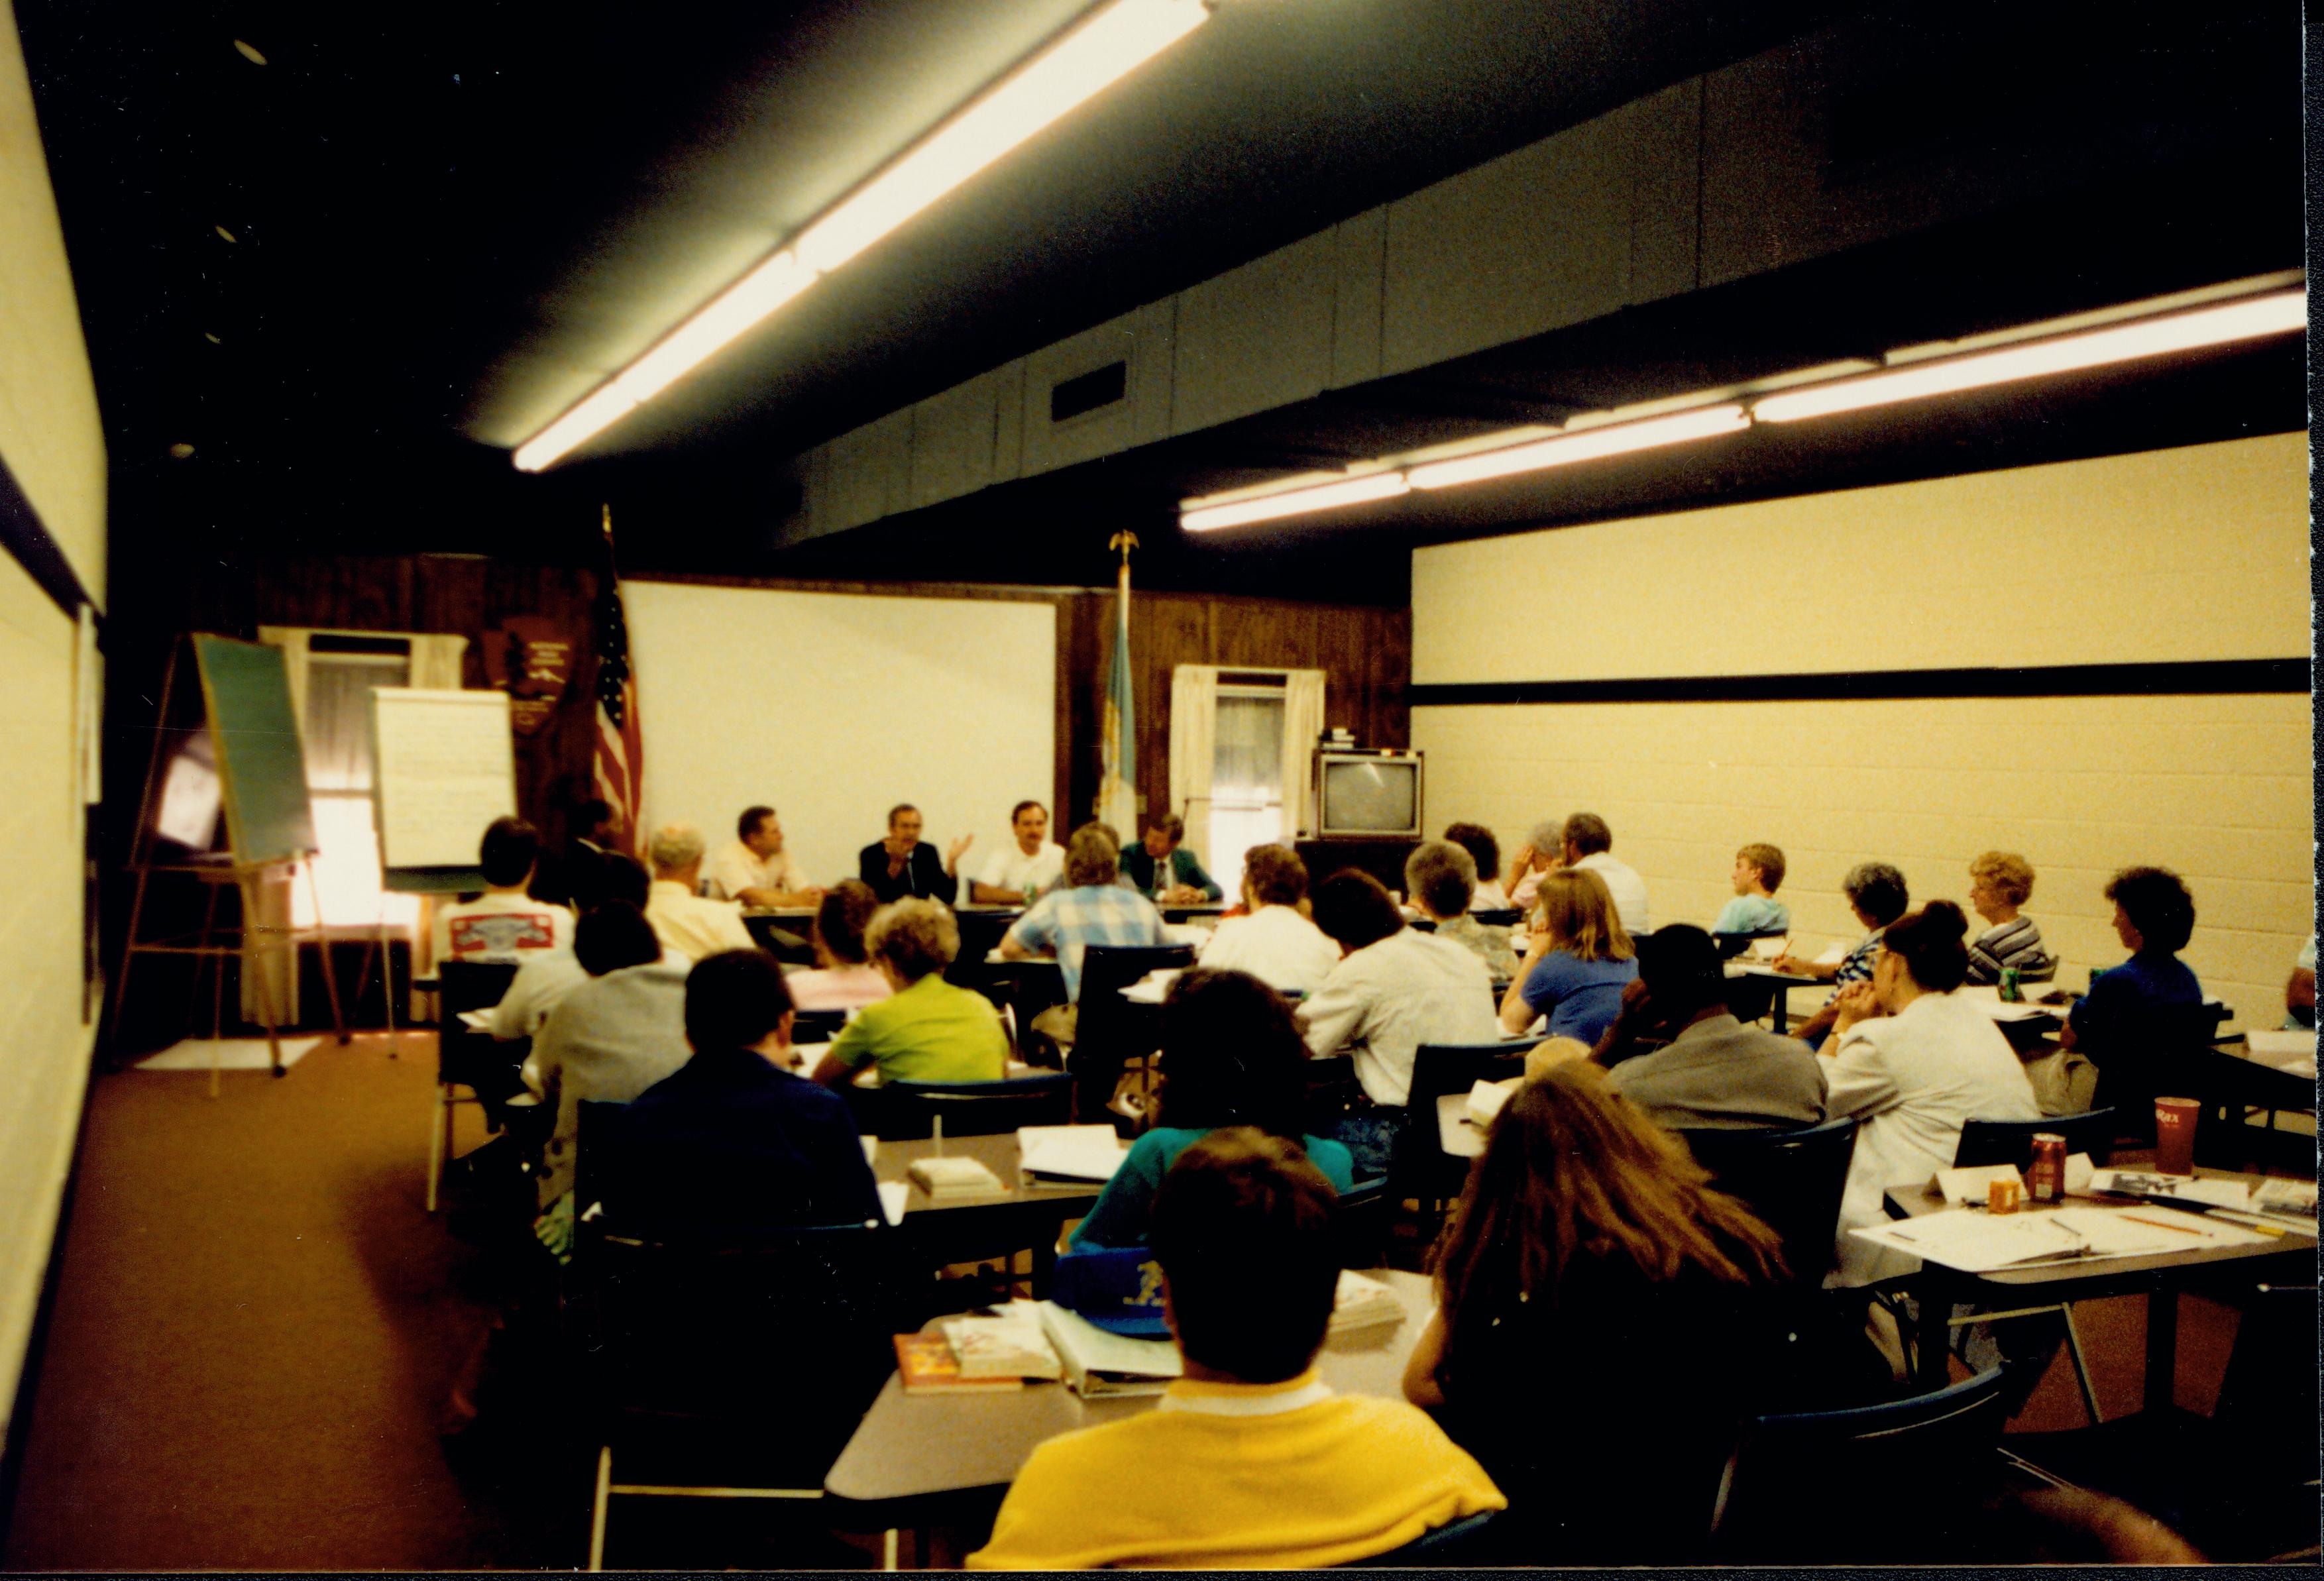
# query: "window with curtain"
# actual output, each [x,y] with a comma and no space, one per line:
[338,726]
[1246,778]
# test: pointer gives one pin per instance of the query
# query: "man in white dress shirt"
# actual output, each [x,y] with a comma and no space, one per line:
[689,926]
[1275,942]
[1018,873]
[756,870]
[1589,843]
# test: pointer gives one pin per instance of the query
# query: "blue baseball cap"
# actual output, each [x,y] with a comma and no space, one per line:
[1119,1290]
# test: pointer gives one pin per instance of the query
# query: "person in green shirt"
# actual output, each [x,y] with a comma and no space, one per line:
[1231,1055]
[927,1030]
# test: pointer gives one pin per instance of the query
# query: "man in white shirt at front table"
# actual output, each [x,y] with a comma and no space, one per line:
[1020,873]
[689,926]
[756,869]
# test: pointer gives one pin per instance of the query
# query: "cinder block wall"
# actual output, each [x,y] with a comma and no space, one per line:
[2192,554]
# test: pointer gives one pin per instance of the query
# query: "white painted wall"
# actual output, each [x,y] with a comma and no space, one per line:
[833,707]
[50,438]
[2198,553]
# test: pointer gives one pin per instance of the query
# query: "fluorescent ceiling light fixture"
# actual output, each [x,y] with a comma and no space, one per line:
[1379,485]
[1111,42]
[1585,445]
[2276,313]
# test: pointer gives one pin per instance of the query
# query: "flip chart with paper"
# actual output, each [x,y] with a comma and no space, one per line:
[443,766]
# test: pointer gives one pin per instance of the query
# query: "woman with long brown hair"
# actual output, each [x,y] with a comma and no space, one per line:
[1603,1317]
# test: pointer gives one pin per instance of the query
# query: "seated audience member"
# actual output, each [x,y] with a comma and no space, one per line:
[1874,892]
[688,924]
[1999,882]
[1092,909]
[1758,873]
[1160,866]
[904,865]
[1575,968]
[1394,990]
[1714,1072]
[1545,846]
[755,870]
[1440,877]
[927,1029]
[1589,845]
[1273,940]
[1911,1059]
[1603,1318]
[1485,852]
[1231,1055]
[732,1141]
[611,1038]
[2153,916]
[843,977]
[1017,875]
[1252,1461]
[2300,987]
[594,830]
[503,925]
[542,983]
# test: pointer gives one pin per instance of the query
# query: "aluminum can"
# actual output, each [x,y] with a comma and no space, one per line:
[2045,1179]
[2010,992]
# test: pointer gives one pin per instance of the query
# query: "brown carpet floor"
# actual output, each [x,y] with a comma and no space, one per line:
[257,1328]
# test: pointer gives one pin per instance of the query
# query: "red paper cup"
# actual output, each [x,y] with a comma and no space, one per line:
[2174,1135]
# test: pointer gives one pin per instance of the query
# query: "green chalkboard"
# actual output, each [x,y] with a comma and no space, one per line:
[246,692]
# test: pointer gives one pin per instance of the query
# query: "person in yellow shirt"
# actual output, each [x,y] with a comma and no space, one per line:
[1251,1461]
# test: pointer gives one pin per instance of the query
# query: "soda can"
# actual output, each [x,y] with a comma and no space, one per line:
[2010,995]
[2045,1179]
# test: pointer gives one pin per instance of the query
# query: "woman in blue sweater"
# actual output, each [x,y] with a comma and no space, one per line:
[1231,1055]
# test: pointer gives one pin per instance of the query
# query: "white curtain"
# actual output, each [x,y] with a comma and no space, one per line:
[1194,747]
[1303,721]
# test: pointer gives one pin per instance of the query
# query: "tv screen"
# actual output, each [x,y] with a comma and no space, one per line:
[1379,797]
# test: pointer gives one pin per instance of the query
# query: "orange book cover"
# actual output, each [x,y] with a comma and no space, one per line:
[929,1367]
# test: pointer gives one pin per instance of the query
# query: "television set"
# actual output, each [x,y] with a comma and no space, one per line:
[1367,795]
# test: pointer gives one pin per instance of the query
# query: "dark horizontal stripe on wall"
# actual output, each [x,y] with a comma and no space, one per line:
[25,538]
[2199,678]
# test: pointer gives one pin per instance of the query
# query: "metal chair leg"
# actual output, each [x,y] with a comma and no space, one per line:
[438,1142]
[597,1509]
[2082,1367]
[888,1544]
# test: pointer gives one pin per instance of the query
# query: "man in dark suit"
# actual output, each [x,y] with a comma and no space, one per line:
[1161,867]
[734,1142]
[905,864]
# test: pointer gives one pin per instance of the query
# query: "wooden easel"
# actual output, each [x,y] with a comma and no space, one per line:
[211,942]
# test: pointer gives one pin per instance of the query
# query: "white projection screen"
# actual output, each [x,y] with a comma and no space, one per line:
[833,707]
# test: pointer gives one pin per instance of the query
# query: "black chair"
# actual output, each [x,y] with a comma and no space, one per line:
[1468,1543]
[1792,1179]
[1360,1224]
[974,1108]
[2235,1091]
[487,1067]
[1420,1169]
[1499,917]
[731,1372]
[2136,1063]
[1863,1484]
[1731,945]
[1991,1142]
[816,1025]
[1109,1031]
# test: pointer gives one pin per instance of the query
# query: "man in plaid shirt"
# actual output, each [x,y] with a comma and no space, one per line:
[1093,909]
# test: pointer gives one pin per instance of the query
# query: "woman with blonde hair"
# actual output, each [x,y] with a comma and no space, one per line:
[1999,882]
[1580,961]
[1603,1318]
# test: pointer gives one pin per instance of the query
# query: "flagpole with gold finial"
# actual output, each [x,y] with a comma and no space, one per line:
[1117,799]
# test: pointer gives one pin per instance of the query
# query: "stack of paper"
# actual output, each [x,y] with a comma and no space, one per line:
[1098,1363]
[1487,1098]
[1069,1154]
[943,1178]
[1963,1187]
[1363,1303]
[2158,1188]
[1011,1346]
[2293,1199]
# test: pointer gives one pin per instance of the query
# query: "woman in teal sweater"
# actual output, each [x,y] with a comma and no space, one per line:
[1231,1055]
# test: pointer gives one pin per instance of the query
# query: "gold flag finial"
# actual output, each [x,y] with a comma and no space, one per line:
[1124,541]
[608,518]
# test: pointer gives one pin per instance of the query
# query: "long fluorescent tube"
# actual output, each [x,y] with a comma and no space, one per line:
[2276,313]
[1383,485]
[1114,42]
[1587,444]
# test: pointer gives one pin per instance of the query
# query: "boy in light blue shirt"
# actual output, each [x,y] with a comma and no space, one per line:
[1758,873]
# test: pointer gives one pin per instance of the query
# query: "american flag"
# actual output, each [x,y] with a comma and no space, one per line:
[618,761]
